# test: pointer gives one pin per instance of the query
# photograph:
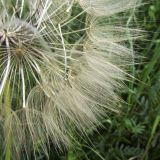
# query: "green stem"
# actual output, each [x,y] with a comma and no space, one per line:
[154,128]
[131,84]
[148,69]
[7,103]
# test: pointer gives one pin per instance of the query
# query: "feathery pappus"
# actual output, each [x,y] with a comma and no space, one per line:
[62,65]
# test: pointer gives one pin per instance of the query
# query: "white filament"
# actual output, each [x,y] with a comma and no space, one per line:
[7,68]
[23,86]
[64,48]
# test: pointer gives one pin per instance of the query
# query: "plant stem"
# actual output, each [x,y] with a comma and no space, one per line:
[7,103]
[155,125]
[148,69]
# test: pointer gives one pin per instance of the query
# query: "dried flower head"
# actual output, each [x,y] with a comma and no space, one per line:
[62,65]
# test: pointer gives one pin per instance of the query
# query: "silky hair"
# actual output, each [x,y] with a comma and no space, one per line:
[58,81]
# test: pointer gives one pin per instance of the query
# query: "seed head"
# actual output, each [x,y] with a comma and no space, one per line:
[63,63]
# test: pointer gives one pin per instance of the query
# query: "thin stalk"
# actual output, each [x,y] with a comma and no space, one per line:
[7,103]
[154,128]
[131,85]
[148,69]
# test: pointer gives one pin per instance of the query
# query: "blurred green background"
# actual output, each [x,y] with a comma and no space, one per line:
[134,135]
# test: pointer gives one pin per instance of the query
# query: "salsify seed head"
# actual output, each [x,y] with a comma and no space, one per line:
[107,7]
[62,65]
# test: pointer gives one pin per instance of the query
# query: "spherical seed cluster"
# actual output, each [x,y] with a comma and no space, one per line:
[61,66]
